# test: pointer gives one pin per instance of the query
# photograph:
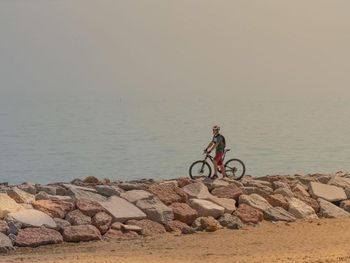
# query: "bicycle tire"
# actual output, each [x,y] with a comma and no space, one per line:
[204,164]
[229,163]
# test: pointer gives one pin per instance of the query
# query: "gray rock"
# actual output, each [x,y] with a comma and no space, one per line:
[42,196]
[329,210]
[301,210]
[188,230]
[79,192]
[278,214]
[108,190]
[121,210]
[5,243]
[32,218]
[51,190]
[135,195]
[230,221]
[28,187]
[13,227]
[77,218]
[155,210]
[330,193]
[255,201]
[206,208]
[61,224]
[20,196]
[132,186]
[12,237]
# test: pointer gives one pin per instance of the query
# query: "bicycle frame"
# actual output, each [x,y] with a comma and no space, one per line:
[211,158]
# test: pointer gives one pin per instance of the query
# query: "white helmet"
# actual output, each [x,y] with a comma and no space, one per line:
[216,127]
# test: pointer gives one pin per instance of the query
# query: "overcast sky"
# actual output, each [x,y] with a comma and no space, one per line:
[273,48]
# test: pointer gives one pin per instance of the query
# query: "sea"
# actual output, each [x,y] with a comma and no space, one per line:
[55,138]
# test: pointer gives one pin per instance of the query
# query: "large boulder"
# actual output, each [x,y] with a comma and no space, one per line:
[77,218]
[5,244]
[156,210]
[309,201]
[329,210]
[53,208]
[81,233]
[278,214]
[339,181]
[301,210]
[206,208]
[230,191]
[249,214]
[80,192]
[102,221]
[168,193]
[286,192]
[277,200]
[109,190]
[197,190]
[184,213]
[149,227]
[330,193]
[228,204]
[89,207]
[133,196]
[28,187]
[32,218]
[255,201]
[34,237]
[20,196]
[121,210]
[299,190]
[248,190]
[8,205]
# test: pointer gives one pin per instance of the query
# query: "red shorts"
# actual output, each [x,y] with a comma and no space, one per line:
[219,158]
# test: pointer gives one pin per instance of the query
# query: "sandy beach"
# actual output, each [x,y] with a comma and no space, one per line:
[324,240]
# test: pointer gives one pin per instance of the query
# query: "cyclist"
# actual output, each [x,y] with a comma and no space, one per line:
[219,143]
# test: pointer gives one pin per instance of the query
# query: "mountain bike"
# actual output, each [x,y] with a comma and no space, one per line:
[234,168]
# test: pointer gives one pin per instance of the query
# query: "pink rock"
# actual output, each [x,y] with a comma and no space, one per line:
[53,208]
[184,213]
[102,221]
[149,227]
[81,233]
[89,207]
[76,217]
[249,214]
[231,191]
[173,226]
[168,193]
[118,234]
[277,200]
[34,237]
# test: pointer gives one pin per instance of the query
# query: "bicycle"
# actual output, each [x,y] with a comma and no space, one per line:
[235,168]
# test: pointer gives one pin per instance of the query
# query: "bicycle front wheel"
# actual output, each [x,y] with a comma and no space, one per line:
[235,169]
[200,169]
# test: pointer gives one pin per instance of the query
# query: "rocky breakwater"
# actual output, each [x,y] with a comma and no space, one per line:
[35,215]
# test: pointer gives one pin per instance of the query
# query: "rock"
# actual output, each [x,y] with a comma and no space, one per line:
[339,181]
[168,193]
[228,204]
[286,192]
[53,208]
[127,228]
[135,195]
[13,228]
[117,226]
[258,183]
[8,205]
[184,213]
[60,190]
[91,180]
[217,183]
[278,214]
[3,227]
[230,221]
[32,218]
[108,191]
[183,181]
[324,179]
[249,214]
[89,207]
[344,204]
[255,190]
[81,233]
[306,179]
[329,210]
[206,208]
[5,244]
[102,221]
[188,230]
[12,237]
[175,226]
[255,201]
[77,218]
[34,237]
[155,210]
[132,186]
[149,227]
[347,192]
[20,196]
[208,224]
[42,196]
[197,190]
[301,210]
[299,189]
[79,192]
[51,190]
[121,210]
[279,184]
[118,234]
[28,187]
[231,191]
[61,224]
[330,193]
[309,201]
[277,200]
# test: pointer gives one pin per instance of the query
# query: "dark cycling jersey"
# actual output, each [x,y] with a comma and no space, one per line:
[221,143]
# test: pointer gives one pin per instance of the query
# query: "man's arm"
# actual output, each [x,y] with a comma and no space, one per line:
[211,146]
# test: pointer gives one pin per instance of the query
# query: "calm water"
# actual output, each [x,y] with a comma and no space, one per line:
[59,138]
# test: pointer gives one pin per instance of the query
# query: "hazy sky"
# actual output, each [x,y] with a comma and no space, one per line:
[266,48]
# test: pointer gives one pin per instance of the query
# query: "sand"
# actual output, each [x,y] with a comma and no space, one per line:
[326,240]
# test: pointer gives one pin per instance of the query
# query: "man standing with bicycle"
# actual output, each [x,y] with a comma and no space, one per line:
[219,143]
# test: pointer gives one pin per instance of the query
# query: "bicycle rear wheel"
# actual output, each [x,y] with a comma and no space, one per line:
[200,169]
[235,169]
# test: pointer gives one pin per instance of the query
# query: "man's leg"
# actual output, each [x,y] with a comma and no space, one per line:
[215,167]
[222,168]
